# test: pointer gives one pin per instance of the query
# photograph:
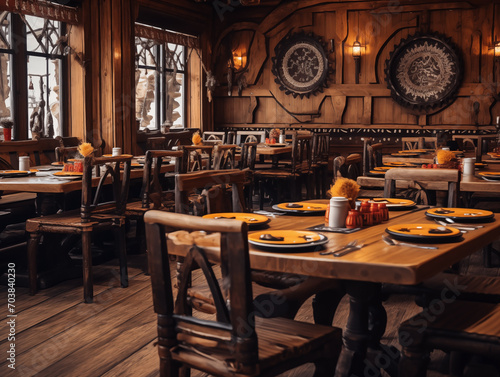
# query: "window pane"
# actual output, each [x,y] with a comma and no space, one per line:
[145,98]
[175,100]
[42,35]
[43,95]
[4,30]
[175,57]
[5,89]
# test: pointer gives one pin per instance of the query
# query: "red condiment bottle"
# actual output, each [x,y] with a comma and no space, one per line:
[354,219]
[365,213]
[384,211]
[374,209]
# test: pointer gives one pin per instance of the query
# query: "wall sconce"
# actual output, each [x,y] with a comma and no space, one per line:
[356,54]
[496,49]
[239,59]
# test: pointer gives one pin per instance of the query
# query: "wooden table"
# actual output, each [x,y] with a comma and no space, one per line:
[365,270]
[426,158]
[479,142]
[274,152]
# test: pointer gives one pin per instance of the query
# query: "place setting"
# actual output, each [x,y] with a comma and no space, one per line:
[253,220]
[490,176]
[301,208]
[288,240]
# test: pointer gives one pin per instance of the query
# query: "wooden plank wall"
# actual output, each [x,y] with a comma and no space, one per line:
[379,26]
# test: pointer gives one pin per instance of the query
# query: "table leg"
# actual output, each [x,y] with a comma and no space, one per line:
[365,326]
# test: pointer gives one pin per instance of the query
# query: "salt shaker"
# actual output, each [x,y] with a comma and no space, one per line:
[24,163]
[282,139]
[468,164]
[339,206]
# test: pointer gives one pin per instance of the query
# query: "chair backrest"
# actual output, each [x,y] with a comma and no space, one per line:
[426,179]
[372,155]
[40,152]
[412,143]
[63,153]
[214,188]
[250,137]
[231,336]
[321,147]
[248,155]
[301,153]
[196,154]
[214,136]
[154,183]
[169,140]
[224,156]
[97,200]
[347,167]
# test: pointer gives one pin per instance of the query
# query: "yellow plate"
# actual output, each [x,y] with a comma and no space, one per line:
[301,207]
[397,164]
[393,202]
[422,232]
[377,172]
[288,238]
[15,173]
[414,151]
[57,163]
[122,155]
[490,174]
[384,168]
[462,214]
[276,145]
[67,173]
[481,165]
[404,154]
[249,218]
[494,155]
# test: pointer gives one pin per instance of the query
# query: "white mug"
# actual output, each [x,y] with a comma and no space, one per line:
[24,163]
[116,151]
[339,206]
[469,166]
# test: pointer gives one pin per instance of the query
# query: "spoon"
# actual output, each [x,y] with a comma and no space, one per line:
[391,241]
[462,228]
[350,244]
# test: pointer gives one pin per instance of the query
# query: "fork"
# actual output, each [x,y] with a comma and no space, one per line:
[349,245]
[350,249]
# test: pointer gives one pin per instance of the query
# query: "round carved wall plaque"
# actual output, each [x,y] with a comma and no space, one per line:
[424,73]
[300,65]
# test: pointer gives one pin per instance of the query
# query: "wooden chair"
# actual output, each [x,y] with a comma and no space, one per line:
[199,157]
[250,136]
[290,177]
[347,167]
[63,153]
[372,155]
[236,342]
[247,161]
[169,140]
[95,215]
[41,151]
[217,137]
[216,184]
[460,327]
[224,156]
[319,165]
[426,180]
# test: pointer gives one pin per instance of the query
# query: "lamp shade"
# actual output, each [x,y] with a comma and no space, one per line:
[356,49]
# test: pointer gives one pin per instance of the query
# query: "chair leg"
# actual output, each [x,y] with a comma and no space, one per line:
[88,288]
[121,242]
[413,363]
[32,261]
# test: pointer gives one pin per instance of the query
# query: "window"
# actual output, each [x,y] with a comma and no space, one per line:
[35,54]
[160,84]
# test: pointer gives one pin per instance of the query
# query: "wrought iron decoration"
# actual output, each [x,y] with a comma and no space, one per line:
[300,64]
[424,73]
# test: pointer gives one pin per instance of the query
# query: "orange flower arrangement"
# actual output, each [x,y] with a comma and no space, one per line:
[275,133]
[444,157]
[196,139]
[346,188]
[85,149]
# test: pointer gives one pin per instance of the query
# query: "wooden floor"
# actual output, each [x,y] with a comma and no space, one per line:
[58,335]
